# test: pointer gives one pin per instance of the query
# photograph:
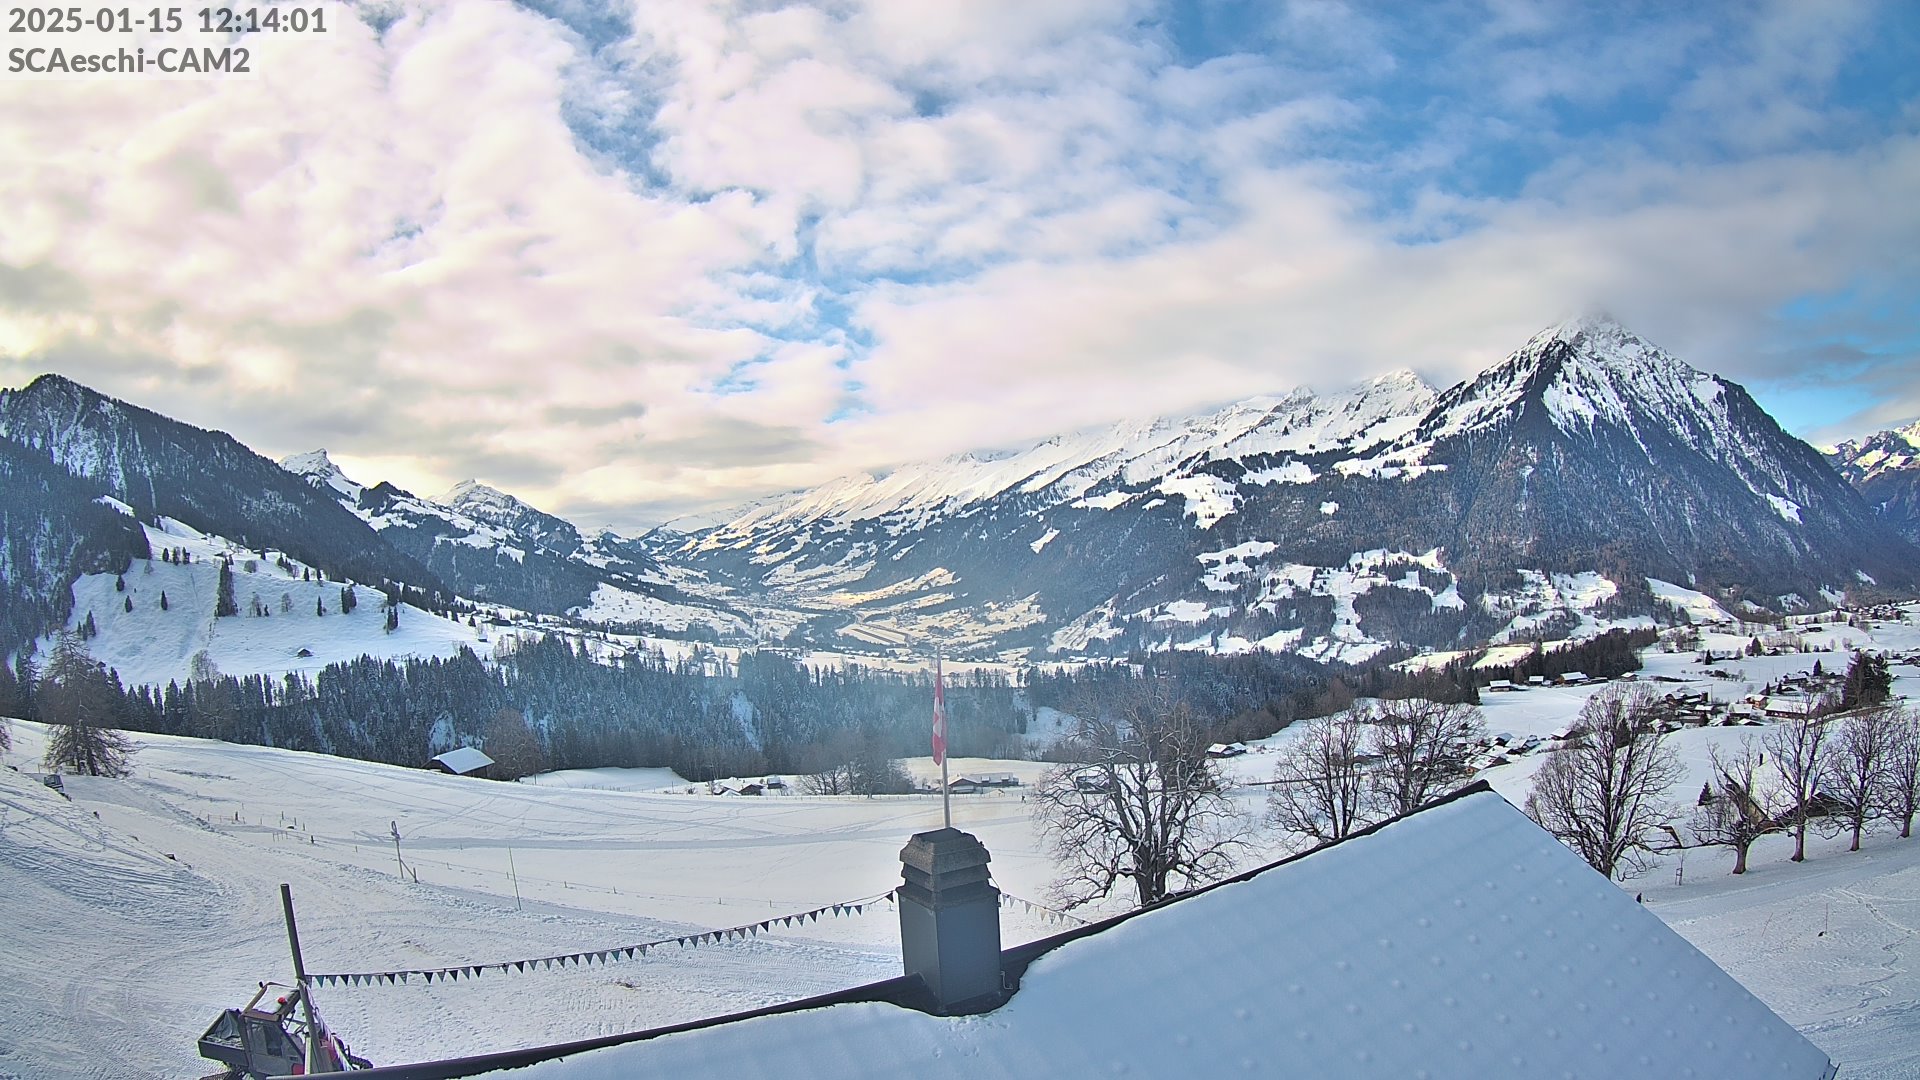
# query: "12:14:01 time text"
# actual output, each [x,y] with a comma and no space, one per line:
[269,20]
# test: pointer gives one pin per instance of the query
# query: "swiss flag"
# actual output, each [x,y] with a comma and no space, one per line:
[939,715]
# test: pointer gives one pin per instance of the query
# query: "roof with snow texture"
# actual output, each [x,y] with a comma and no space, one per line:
[463,760]
[1460,941]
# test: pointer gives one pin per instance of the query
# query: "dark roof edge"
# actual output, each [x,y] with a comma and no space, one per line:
[1014,961]
[905,991]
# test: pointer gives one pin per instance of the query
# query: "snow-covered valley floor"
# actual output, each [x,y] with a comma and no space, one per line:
[137,909]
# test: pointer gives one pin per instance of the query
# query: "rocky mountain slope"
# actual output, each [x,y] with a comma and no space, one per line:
[1885,469]
[1589,479]
[68,446]
[1536,498]
[493,548]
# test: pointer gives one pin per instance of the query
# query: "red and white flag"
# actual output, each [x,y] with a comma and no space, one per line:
[939,715]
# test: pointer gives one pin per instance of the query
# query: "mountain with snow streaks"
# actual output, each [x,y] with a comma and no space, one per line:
[496,549]
[1885,468]
[84,446]
[1536,499]
[1589,480]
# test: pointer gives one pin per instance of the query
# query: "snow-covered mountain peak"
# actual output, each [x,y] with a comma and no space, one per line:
[1882,452]
[1583,371]
[477,500]
[318,469]
[1594,324]
[1598,342]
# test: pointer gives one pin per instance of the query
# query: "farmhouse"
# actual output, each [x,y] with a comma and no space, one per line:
[1458,941]
[464,761]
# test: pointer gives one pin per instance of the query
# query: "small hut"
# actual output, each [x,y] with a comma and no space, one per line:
[463,761]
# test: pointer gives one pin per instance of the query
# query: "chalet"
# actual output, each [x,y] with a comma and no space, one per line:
[1457,942]
[973,782]
[1502,686]
[1574,678]
[1226,750]
[463,761]
[1791,708]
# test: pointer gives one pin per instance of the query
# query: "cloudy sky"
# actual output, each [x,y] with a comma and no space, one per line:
[632,259]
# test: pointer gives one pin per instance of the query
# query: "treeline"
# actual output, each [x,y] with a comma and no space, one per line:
[706,716]
[1252,695]
[1610,655]
[769,713]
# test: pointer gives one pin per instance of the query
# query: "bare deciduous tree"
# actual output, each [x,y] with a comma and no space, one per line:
[1142,802]
[1604,795]
[1798,749]
[1320,787]
[1900,797]
[1857,763]
[512,746]
[855,763]
[1423,747]
[1737,813]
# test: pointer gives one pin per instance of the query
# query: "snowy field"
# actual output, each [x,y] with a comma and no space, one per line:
[142,906]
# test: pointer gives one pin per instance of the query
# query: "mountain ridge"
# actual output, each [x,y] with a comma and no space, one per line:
[1885,468]
[1588,449]
[1588,479]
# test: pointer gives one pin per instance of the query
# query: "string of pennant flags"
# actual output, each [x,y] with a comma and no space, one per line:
[1008,900]
[637,951]
[595,956]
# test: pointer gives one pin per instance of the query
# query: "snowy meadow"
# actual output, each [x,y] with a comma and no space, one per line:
[141,906]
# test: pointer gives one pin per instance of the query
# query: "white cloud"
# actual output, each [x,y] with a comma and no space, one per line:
[750,249]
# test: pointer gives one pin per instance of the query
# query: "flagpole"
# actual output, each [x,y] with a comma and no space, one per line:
[939,699]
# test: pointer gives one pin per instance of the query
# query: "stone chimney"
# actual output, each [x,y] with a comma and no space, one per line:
[950,921]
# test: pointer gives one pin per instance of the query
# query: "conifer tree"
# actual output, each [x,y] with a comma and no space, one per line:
[1869,683]
[77,699]
[224,604]
[163,600]
[26,680]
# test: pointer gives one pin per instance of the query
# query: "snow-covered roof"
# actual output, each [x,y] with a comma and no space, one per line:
[463,760]
[1461,941]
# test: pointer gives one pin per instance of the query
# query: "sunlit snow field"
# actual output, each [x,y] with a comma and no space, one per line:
[142,906]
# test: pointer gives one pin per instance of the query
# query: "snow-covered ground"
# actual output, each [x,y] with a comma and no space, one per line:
[152,645]
[142,906]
